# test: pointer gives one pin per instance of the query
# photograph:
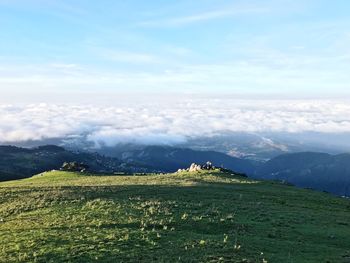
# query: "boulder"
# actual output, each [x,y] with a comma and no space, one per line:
[208,166]
[195,167]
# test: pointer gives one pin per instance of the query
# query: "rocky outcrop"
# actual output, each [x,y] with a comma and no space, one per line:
[197,167]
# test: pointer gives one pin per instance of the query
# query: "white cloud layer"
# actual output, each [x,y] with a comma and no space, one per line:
[170,122]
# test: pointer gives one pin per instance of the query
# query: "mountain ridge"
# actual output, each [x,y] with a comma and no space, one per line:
[316,170]
[320,171]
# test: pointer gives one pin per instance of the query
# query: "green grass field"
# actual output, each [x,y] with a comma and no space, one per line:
[199,217]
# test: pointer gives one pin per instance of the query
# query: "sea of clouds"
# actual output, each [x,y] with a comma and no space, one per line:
[170,122]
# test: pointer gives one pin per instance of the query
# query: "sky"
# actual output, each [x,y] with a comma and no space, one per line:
[165,71]
[80,49]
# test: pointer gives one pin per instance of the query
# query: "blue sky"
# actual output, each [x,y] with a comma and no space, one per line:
[249,48]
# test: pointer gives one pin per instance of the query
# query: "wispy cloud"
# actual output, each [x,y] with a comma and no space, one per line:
[204,16]
[266,71]
[262,56]
[128,57]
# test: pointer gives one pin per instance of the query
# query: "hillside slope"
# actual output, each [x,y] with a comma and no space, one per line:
[319,171]
[186,217]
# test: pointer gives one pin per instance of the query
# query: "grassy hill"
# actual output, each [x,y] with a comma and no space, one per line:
[198,217]
[19,163]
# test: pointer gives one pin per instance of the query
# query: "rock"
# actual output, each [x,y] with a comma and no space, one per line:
[208,166]
[195,168]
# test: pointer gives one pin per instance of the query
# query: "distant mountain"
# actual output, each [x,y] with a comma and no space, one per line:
[257,146]
[170,159]
[17,163]
[241,145]
[319,171]
[265,146]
